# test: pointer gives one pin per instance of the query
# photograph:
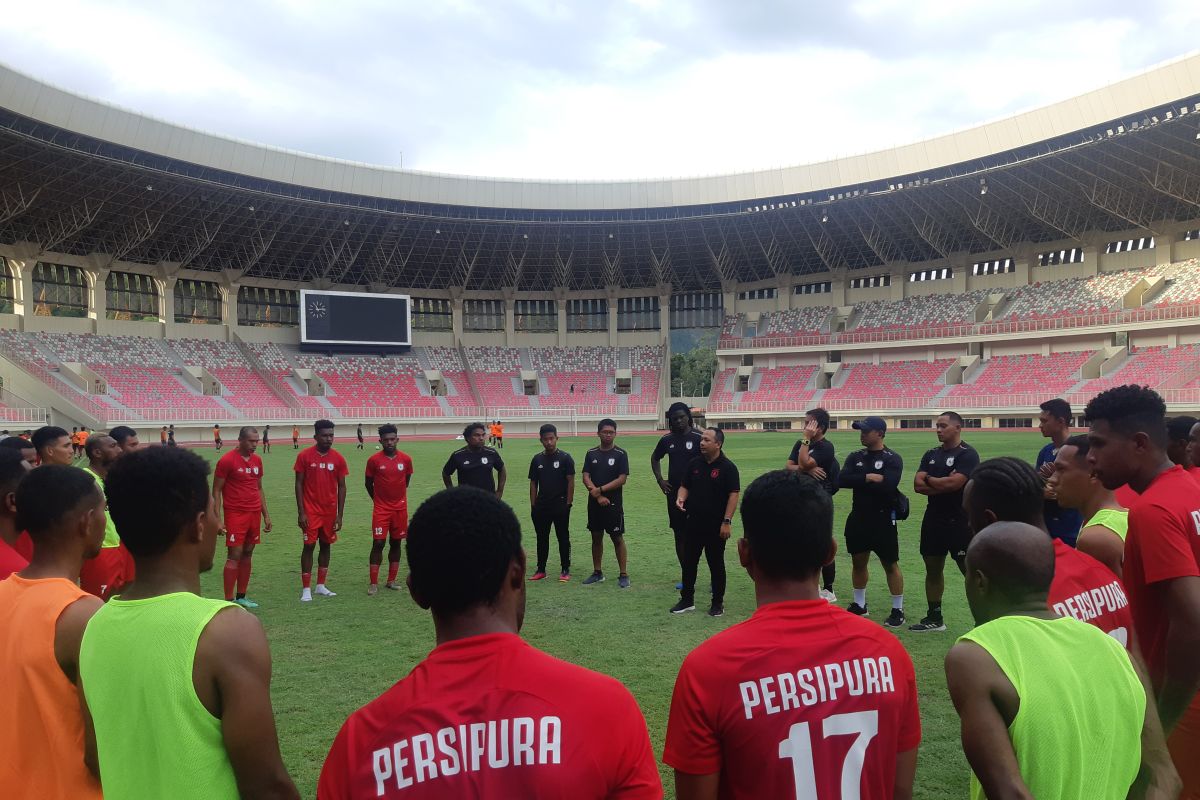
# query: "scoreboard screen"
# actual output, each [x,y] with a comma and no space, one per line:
[354,318]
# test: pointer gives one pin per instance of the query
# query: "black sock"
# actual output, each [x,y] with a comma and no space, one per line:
[935,610]
[828,587]
[241,595]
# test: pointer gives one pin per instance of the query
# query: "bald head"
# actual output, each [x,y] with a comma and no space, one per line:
[1009,564]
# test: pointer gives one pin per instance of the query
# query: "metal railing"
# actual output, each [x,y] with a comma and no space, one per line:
[357,413]
[30,416]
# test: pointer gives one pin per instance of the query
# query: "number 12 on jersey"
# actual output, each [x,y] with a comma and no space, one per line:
[799,748]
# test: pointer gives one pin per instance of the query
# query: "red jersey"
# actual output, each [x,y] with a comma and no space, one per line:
[1087,590]
[793,702]
[24,545]
[243,477]
[321,473]
[491,716]
[1163,543]
[10,560]
[391,476]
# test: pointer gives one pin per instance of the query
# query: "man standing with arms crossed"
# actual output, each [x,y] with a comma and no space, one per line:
[388,474]
[605,471]
[475,463]
[1054,422]
[942,474]
[551,493]
[814,456]
[320,500]
[709,496]
[238,494]
[680,446]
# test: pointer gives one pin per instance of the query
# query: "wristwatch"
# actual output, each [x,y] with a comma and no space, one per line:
[727,521]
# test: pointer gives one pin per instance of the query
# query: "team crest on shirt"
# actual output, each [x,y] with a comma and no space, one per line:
[255,469]
[689,445]
[879,464]
[556,464]
[483,460]
[950,461]
[933,461]
[329,467]
[714,473]
[612,461]
[400,467]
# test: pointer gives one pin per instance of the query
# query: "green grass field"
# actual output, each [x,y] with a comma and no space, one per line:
[333,655]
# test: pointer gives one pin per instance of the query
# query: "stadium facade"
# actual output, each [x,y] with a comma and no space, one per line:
[1042,254]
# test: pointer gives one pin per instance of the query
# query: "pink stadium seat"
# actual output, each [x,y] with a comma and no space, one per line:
[1050,375]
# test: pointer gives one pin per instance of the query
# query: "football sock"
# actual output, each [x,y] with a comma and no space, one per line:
[374,574]
[243,579]
[898,601]
[230,575]
[321,573]
[393,571]
[860,597]
[306,579]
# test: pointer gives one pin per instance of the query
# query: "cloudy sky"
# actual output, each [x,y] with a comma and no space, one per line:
[589,88]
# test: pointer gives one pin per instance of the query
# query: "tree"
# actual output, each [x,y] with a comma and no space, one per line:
[695,369]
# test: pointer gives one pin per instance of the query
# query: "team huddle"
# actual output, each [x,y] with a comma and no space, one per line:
[1079,680]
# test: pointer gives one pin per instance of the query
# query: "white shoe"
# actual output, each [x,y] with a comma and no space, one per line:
[306,596]
[321,590]
[827,596]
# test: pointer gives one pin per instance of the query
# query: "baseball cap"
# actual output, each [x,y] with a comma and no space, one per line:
[871,424]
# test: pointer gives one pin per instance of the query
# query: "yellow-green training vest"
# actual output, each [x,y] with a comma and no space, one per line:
[111,539]
[1116,521]
[154,737]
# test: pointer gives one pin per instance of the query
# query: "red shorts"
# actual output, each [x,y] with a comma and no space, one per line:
[386,523]
[1184,744]
[320,527]
[108,573]
[242,528]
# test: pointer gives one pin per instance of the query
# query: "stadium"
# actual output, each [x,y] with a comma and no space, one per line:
[155,275]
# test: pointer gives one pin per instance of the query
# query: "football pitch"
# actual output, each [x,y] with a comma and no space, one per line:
[335,654]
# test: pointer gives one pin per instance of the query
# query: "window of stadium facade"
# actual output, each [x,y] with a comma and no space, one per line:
[8,287]
[60,290]
[198,302]
[131,296]
[264,307]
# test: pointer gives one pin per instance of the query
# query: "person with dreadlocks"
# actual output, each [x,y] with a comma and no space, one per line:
[680,445]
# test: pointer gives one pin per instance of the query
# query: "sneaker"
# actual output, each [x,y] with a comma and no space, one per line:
[246,602]
[855,608]
[563,577]
[538,576]
[622,581]
[827,596]
[716,610]
[372,590]
[323,591]
[679,586]
[895,619]
[928,625]
[595,577]
[395,587]
[306,596]
[683,606]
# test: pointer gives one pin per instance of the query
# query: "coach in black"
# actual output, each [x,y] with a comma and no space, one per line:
[551,493]
[814,455]
[475,462]
[605,470]
[709,496]
[874,475]
[942,476]
[679,446]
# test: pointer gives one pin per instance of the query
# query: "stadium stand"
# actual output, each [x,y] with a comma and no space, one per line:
[1079,296]
[913,380]
[918,312]
[787,384]
[1183,285]
[1052,375]
[808,321]
[1149,366]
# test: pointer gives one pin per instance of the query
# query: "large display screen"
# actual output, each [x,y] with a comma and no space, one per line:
[354,318]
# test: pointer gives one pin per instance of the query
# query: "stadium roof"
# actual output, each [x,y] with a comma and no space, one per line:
[84,178]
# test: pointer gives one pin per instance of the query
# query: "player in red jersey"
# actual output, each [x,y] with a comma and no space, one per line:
[803,699]
[320,500]
[242,512]
[1162,558]
[12,471]
[485,714]
[388,474]
[1179,450]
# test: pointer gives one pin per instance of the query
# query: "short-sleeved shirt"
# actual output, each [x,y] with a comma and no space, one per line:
[800,688]
[391,477]
[490,716]
[871,496]
[709,487]
[942,463]
[242,480]
[822,452]
[679,450]
[216,433]
[1087,590]
[1063,523]
[605,466]
[550,472]
[321,473]
[1163,544]
[474,467]
[358,434]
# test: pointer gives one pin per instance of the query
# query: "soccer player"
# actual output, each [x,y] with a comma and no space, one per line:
[84,433]
[217,437]
[802,699]
[266,439]
[874,475]
[162,436]
[814,455]
[389,472]
[242,512]
[1054,422]
[1107,523]
[171,435]
[680,445]
[943,473]
[191,676]
[1179,431]
[126,438]
[295,437]
[708,496]
[491,429]
[320,500]
[485,714]
[499,435]
[76,449]
[605,471]
[42,619]
[1078,736]
[110,570]
[551,494]
[23,447]
[53,445]
[475,463]
[359,435]
[1162,557]
[13,470]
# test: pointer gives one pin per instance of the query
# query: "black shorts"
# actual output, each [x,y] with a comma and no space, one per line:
[873,532]
[675,518]
[609,519]
[945,535]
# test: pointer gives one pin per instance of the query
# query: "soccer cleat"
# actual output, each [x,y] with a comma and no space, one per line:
[246,602]
[827,596]
[537,576]
[373,590]
[623,582]
[928,625]
[683,607]
[855,608]
[716,610]
[895,619]
[563,577]
[392,585]
[306,596]
[595,577]
[323,591]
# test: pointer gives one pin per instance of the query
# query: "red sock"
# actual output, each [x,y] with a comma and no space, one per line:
[321,573]
[243,575]
[374,574]
[306,579]
[393,570]
[230,575]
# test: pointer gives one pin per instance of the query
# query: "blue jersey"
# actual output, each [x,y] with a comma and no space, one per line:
[1063,523]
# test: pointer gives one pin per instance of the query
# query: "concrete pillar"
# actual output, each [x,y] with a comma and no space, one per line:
[960,273]
[728,297]
[25,299]
[510,317]
[611,292]
[664,316]
[1021,268]
[560,304]
[783,292]
[1091,258]
[1163,245]
[168,299]
[229,299]
[456,315]
[98,301]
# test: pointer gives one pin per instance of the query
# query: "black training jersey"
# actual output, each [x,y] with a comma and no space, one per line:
[551,472]
[474,467]
[942,463]
[823,453]
[679,450]
[709,487]
[604,466]
[871,496]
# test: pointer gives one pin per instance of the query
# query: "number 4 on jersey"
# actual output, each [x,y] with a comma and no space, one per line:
[799,748]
